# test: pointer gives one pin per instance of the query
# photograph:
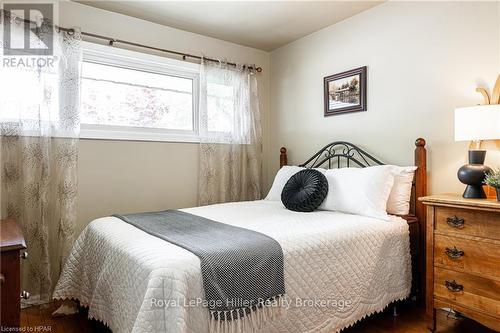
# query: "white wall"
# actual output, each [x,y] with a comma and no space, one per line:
[126,176]
[424,59]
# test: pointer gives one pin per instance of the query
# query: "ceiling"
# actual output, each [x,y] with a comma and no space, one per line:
[264,25]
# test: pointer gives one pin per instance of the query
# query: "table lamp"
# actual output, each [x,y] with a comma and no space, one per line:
[476,123]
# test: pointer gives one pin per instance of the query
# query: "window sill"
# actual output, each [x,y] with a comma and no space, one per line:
[90,134]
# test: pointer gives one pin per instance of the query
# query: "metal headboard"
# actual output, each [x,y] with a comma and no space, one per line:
[342,153]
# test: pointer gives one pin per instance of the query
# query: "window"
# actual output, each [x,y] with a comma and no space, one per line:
[128,97]
[131,95]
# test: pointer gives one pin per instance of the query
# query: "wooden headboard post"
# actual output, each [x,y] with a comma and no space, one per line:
[283,157]
[420,211]
[420,179]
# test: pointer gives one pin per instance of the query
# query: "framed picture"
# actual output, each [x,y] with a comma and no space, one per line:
[345,92]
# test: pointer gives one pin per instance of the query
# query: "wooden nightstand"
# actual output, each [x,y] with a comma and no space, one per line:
[11,243]
[463,258]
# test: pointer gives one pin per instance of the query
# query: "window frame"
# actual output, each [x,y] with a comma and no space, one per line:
[128,59]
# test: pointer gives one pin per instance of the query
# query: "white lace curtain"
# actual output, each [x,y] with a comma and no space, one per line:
[231,141]
[39,130]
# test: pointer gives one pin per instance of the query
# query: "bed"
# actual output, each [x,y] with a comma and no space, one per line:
[338,268]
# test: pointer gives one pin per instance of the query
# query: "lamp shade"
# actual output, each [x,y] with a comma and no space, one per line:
[481,122]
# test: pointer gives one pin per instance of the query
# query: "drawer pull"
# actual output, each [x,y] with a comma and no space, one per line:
[455,222]
[2,278]
[453,286]
[454,253]
[24,255]
[25,295]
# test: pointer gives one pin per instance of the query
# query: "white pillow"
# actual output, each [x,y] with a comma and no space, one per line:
[399,198]
[280,180]
[361,191]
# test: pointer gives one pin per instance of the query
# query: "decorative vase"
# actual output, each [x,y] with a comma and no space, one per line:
[473,175]
[498,193]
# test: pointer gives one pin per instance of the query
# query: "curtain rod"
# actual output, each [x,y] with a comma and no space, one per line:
[112,41]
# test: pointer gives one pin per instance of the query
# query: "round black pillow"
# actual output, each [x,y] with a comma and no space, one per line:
[305,191]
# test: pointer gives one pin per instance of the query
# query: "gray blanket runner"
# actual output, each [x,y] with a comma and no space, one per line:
[242,269]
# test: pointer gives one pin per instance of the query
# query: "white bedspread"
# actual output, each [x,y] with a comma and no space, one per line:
[339,268]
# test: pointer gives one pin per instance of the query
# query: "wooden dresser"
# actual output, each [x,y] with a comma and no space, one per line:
[463,258]
[11,246]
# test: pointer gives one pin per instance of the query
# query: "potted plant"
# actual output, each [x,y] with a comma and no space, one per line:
[493,179]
